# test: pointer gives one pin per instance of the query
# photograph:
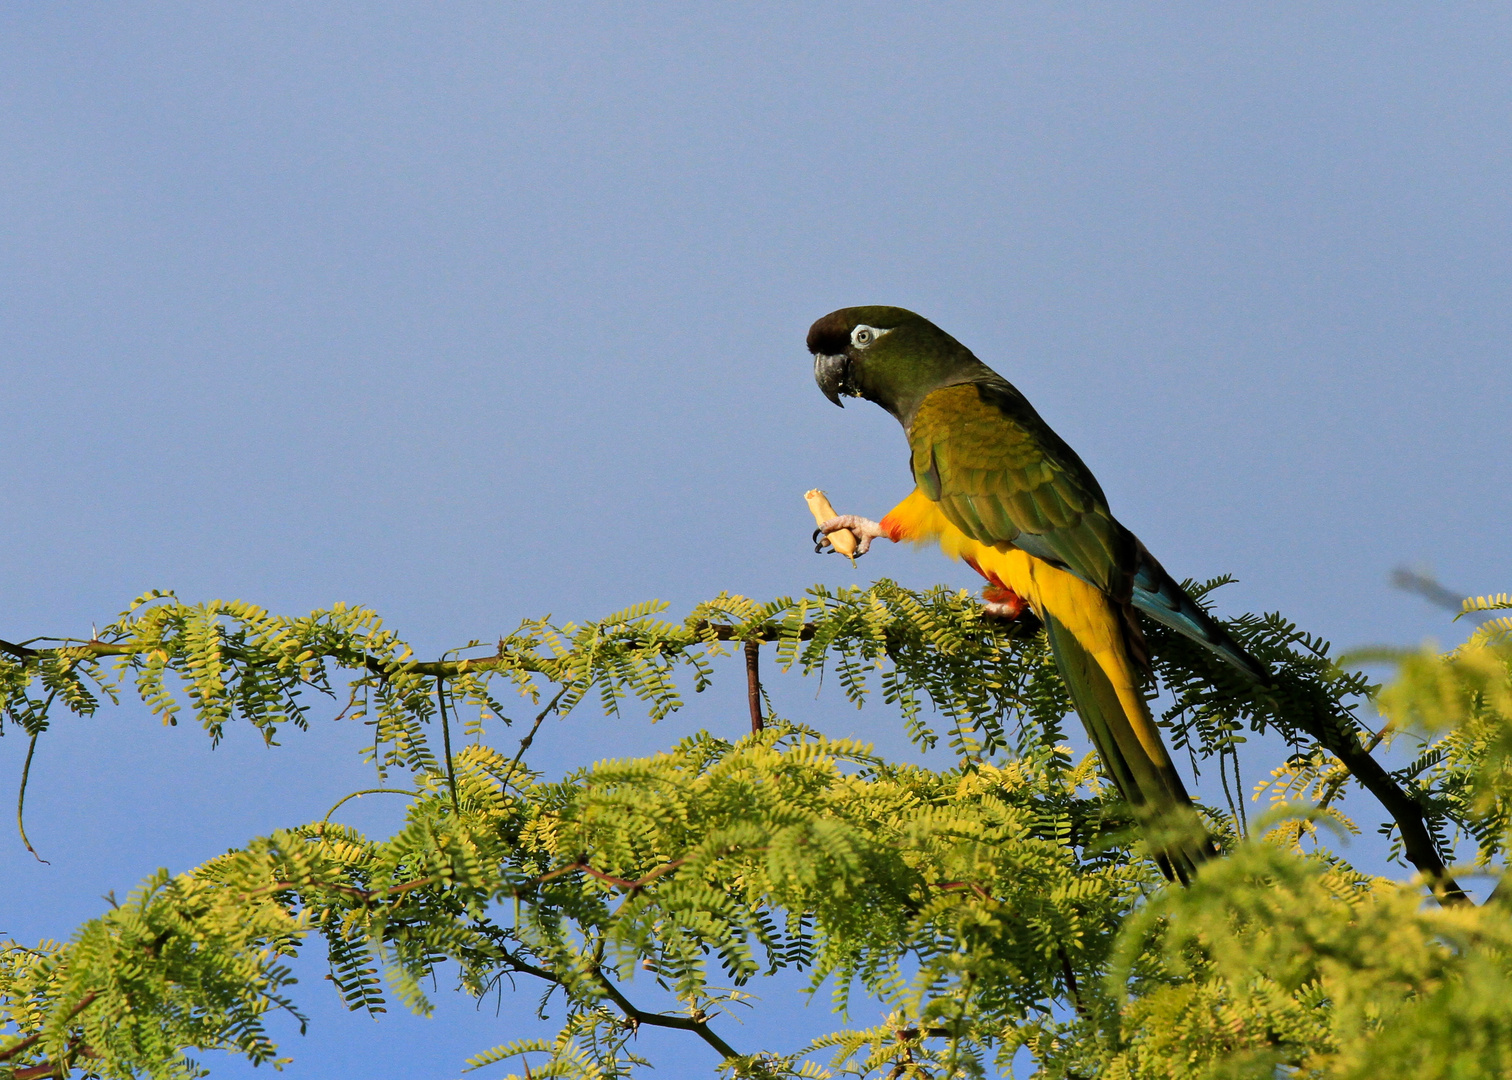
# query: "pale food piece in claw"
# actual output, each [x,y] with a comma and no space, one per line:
[842,540]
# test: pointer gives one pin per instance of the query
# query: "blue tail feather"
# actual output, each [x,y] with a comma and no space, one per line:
[1158,595]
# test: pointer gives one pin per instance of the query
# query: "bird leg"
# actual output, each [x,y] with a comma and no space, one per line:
[865,529]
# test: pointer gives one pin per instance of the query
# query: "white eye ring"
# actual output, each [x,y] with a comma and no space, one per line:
[863,336]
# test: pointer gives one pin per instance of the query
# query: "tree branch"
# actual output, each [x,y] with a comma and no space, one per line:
[753,682]
[581,863]
[531,734]
[367,791]
[448,668]
[435,668]
[451,773]
[639,883]
[365,895]
[20,652]
[31,1040]
[1018,628]
[1412,825]
[57,1069]
[635,1015]
[681,1023]
[31,749]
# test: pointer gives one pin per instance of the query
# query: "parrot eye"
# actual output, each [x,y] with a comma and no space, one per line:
[862,336]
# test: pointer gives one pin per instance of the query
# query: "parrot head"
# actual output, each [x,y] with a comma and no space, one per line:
[887,355]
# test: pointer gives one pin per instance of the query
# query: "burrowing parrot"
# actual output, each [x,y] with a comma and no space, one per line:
[997,488]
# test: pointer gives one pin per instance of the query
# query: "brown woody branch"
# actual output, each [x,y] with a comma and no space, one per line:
[1417,841]
[631,1012]
[31,1040]
[753,682]
[365,895]
[581,863]
[981,893]
[1412,825]
[58,1069]
[531,734]
[682,1023]
[639,883]
[20,652]
[448,668]
[434,668]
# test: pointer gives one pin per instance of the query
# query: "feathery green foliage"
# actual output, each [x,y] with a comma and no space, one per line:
[993,910]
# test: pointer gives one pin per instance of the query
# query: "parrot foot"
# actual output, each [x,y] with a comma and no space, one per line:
[1001,602]
[865,529]
[1003,611]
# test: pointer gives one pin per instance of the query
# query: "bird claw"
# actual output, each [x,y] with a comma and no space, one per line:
[822,545]
[865,530]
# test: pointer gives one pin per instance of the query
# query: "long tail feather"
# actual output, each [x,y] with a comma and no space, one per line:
[1088,630]
[1147,780]
[1158,595]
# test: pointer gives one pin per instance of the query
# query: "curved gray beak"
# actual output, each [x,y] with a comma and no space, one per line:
[830,373]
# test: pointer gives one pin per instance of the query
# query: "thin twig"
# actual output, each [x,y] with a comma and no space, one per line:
[631,1012]
[25,776]
[1375,740]
[753,681]
[1223,780]
[581,863]
[530,735]
[451,774]
[365,895]
[31,748]
[367,791]
[682,1023]
[1071,989]
[31,1040]
[981,893]
[639,883]
[1239,790]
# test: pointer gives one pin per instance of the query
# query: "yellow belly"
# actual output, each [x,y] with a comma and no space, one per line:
[1082,608]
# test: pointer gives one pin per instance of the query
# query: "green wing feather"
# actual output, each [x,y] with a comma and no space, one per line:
[1003,477]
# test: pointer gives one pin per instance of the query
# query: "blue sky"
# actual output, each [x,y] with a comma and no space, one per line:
[475,312]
